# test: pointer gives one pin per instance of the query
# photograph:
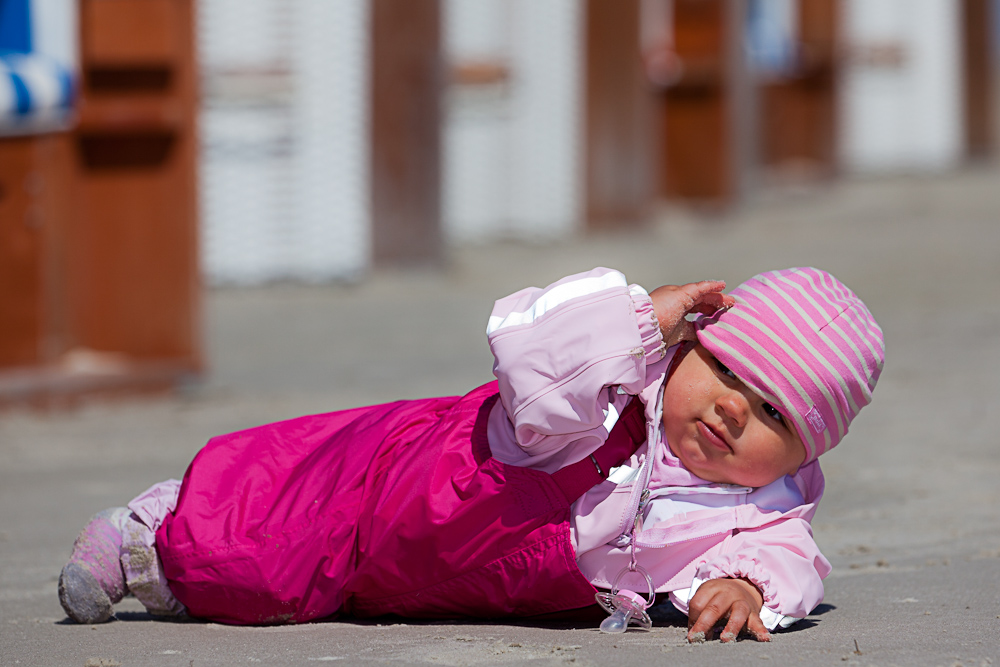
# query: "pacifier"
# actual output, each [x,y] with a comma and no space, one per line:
[627,606]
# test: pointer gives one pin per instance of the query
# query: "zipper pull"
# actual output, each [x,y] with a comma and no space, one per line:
[643,500]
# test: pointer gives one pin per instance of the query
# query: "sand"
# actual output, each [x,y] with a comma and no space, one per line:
[910,519]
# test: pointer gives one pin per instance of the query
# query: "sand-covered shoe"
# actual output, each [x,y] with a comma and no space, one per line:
[92,581]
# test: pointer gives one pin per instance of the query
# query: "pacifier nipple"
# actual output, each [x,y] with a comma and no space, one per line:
[628,605]
[616,622]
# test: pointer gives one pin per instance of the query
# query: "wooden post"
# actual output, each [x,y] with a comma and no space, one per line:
[704,117]
[407,79]
[134,274]
[21,253]
[979,77]
[798,111]
[619,155]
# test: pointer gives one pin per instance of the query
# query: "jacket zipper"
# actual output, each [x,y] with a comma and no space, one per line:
[661,545]
[632,516]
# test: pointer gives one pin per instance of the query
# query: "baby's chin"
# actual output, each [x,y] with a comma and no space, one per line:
[735,478]
[721,474]
[706,473]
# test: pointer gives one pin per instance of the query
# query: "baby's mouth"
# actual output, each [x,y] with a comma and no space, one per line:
[713,437]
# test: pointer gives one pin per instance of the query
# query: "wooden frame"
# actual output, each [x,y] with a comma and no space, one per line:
[108,284]
[979,77]
[706,150]
[407,80]
[619,117]
[798,125]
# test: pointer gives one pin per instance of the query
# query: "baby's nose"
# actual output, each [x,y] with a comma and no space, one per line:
[734,405]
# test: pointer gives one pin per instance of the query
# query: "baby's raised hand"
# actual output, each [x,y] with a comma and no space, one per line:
[672,302]
[737,600]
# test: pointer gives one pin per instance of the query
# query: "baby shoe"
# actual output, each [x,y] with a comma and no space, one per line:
[92,581]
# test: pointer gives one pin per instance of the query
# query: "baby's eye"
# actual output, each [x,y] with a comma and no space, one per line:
[724,369]
[771,411]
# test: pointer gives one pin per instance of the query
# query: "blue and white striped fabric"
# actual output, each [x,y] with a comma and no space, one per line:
[37,64]
[33,87]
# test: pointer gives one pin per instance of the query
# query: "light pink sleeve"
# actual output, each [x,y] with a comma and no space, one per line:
[781,559]
[568,358]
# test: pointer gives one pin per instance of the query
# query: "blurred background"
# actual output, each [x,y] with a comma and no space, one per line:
[257,209]
[152,148]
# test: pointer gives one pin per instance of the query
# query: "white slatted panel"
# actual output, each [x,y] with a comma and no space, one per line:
[475,182]
[330,161]
[284,144]
[901,93]
[546,138]
[512,153]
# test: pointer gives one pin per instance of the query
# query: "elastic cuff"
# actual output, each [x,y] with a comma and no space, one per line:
[743,568]
[143,570]
[155,503]
[649,327]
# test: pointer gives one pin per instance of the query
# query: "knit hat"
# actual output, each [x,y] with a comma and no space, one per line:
[806,344]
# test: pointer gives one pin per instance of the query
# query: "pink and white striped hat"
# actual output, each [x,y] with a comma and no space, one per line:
[805,343]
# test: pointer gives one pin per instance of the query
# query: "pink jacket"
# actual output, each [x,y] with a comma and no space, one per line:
[568,358]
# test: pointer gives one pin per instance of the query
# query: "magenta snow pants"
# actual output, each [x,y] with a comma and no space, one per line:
[389,509]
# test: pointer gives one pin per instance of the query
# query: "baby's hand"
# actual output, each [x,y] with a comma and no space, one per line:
[735,599]
[672,302]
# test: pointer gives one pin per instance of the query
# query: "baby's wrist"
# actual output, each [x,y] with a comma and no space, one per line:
[752,589]
[650,332]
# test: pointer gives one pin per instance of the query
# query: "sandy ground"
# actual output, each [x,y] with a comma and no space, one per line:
[911,518]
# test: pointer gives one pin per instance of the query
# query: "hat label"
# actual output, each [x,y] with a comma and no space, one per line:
[815,420]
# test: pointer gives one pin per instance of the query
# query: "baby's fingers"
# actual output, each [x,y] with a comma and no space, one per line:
[738,615]
[702,622]
[672,302]
[712,301]
[698,291]
[756,627]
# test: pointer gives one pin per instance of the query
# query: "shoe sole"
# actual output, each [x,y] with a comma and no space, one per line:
[82,597]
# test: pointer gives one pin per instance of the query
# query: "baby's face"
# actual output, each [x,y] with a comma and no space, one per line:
[721,430]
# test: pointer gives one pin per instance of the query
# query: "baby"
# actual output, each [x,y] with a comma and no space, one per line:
[621,445]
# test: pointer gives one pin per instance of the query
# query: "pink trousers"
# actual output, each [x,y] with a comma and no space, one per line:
[389,509]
